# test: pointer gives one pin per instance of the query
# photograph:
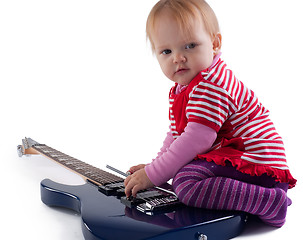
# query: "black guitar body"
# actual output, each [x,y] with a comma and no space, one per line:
[105,217]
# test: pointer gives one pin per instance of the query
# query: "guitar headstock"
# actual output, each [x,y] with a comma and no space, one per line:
[26,147]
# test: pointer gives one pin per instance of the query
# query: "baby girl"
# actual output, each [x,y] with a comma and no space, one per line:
[222,150]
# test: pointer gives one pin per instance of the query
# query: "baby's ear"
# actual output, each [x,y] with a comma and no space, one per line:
[217,42]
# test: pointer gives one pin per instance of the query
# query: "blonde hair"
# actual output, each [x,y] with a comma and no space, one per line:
[185,13]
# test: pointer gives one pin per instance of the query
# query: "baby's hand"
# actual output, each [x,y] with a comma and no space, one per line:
[136,182]
[136,168]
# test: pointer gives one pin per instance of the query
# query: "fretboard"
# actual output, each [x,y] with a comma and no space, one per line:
[92,174]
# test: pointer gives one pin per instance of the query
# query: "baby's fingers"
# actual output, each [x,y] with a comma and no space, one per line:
[136,168]
[128,187]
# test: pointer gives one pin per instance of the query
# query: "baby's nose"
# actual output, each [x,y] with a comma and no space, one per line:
[179,57]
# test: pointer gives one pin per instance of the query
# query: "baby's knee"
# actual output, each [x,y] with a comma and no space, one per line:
[183,188]
[195,170]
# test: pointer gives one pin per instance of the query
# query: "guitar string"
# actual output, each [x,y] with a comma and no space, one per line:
[57,156]
[93,173]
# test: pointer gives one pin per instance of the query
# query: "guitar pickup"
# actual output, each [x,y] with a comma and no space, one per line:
[142,197]
[152,201]
[131,201]
[113,189]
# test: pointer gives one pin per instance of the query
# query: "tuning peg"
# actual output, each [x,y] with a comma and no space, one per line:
[20,150]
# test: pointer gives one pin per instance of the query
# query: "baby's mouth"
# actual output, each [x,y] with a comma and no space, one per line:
[181,70]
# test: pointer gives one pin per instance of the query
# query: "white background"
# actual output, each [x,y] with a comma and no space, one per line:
[80,77]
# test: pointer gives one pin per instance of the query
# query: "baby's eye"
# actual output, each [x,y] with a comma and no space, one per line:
[166,51]
[190,46]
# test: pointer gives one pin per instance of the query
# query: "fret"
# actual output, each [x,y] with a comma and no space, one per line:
[88,171]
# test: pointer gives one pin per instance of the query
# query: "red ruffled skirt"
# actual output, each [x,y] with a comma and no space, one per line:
[232,151]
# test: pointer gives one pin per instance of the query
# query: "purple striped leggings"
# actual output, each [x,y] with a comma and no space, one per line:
[207,185]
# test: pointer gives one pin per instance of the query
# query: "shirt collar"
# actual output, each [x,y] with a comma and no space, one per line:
[216,59]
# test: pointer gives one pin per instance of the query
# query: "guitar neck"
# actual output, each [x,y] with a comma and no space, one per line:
[87,171]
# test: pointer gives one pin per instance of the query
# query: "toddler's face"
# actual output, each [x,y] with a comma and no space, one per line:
[182,57]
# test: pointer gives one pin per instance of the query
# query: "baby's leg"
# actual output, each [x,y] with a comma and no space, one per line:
[198,185]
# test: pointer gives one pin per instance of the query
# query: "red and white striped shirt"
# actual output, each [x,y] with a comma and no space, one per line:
[246,136]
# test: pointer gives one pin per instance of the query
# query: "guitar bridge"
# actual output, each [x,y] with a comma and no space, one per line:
[165,203]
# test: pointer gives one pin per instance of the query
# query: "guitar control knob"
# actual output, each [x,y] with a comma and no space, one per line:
[201,236]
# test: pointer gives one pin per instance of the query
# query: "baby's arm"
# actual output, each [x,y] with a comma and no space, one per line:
[138,178]
[196,139]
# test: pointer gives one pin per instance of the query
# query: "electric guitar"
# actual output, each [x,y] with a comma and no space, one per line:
[106,213]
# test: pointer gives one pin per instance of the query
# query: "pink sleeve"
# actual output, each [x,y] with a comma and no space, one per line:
[166,143]
[196,139]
